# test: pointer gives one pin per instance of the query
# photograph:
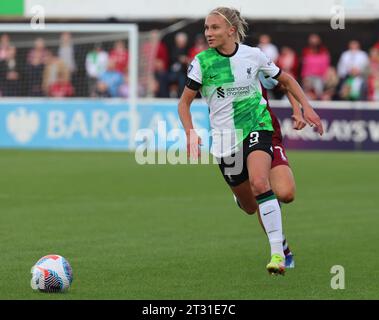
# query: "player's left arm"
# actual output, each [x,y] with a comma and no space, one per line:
[310,116]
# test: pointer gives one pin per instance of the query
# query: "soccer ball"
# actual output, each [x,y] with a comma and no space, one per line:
[51,273]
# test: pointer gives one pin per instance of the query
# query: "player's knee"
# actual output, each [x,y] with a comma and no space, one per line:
[286,196]
[260,185]
[250,210]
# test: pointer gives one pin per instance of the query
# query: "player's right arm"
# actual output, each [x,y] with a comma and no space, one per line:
[193,140]
[194,81]
[184,106]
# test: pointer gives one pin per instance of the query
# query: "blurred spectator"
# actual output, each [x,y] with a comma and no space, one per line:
[160,81]
[373,78]
[330,85]
[54,69]
[152,49]
[38,49]
[112,79]
[354,87]
[96,64]
[33,76]
[162,55]
[160,49]
[288,61]
[66,51]
[101,90]
[269,49]
[199,45]
[353,58]
[10,75]
[61,88]
[178,65]
[309,89]
[120,55]
[124,87]
[5,43]
[315,64]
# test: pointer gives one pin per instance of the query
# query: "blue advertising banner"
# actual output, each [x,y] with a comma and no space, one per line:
[89,124]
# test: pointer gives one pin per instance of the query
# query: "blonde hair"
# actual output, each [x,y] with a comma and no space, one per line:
[233,18]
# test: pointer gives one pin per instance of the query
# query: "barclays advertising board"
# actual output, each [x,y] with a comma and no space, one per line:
[89,124]
[355,128]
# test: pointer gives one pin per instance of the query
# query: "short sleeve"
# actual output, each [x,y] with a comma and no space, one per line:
[267,66]
[267,82]
[194,71]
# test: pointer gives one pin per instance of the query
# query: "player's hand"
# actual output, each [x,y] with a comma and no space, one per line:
[298,121]
[313,119]
[193,145]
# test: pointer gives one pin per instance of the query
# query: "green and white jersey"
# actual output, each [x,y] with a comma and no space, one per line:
[231,88]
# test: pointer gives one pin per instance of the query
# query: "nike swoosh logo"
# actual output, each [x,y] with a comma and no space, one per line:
[273,231]
[265,214]
[212,77]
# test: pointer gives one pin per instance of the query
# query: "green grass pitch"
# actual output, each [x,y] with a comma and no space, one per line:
[174,232]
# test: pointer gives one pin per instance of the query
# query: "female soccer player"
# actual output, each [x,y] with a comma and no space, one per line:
[227,75]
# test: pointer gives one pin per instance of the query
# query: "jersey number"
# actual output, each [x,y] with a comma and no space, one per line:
[254,136]
[281,153]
